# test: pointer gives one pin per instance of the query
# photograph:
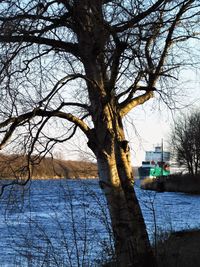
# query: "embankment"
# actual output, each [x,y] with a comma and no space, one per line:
[173,183]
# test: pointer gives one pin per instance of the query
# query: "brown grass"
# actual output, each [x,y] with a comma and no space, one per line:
[16,166]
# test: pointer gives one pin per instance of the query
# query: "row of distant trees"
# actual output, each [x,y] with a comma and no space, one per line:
[185,140]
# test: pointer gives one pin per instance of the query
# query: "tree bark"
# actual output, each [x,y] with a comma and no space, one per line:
[130,236]
[132,245]
[108,143]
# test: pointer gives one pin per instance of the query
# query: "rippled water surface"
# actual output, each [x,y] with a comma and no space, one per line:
[66,221]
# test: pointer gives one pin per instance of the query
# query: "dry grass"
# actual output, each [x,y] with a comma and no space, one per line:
[16,167]
[181,249]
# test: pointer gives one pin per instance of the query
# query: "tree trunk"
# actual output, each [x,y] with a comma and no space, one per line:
[116,180]
[110,147]
[130,235]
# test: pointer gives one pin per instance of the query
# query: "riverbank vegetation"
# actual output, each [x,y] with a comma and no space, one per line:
[179,249]
[185,183]
[18,167]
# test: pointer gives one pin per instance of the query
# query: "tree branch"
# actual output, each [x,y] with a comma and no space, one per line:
[169,40]
[17,121]
[120,47]
[59,85]
[139,100]
[124,26]
[132,89]
[55,44]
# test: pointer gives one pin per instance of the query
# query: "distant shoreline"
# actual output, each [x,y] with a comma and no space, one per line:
[19,167]
[173,183]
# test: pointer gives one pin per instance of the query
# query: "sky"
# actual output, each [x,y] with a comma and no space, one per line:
[150,129]
[154,123]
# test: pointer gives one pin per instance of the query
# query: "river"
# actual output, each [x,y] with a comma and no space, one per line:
[66,223]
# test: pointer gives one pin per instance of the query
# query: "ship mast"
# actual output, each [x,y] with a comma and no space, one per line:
[162,157]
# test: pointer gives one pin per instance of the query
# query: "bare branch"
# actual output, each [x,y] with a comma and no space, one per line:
[136,19]
[15,122]
[139,100]
[131,89]
[169,40]
[59,85]
[55,44]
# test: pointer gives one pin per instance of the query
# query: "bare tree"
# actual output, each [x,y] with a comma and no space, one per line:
[186,143]
[84,64]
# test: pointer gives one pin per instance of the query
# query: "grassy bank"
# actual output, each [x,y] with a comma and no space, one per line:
[176,249]
[173,183]
[180,249]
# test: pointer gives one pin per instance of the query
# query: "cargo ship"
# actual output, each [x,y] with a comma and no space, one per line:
[156,163]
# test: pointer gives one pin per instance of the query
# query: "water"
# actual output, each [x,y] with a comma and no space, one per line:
[65,222]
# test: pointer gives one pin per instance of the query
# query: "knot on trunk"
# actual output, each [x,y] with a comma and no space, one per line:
[124,145]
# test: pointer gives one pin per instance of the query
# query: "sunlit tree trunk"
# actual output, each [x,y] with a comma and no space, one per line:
[116,180]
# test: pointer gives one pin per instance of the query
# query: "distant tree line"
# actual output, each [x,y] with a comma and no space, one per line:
[16,167]
[185,141]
